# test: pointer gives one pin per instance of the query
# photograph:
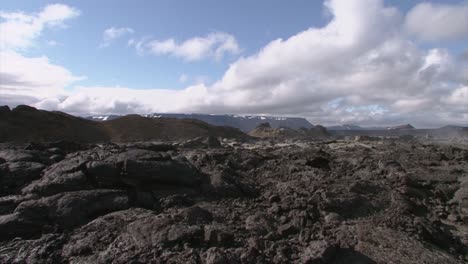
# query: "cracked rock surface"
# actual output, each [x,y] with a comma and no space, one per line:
[210,201]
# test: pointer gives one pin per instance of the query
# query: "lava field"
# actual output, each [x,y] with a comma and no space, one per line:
[210,201]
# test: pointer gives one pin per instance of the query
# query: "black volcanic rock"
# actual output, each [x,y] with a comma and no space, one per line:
[136,168]
[275,201]
[65,210]
[16,174]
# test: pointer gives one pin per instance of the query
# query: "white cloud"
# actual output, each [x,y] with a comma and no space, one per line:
[25,79]
[214,45]
[18,29]
[114,33]
[121,100]
[458,98]
[360,68]
[36,77]
[435,22]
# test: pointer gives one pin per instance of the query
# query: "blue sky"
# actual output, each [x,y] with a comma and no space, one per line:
[253,23]
[87,68]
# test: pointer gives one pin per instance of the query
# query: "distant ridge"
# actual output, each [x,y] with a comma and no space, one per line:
[345,127]
[402,127]
[264,130]
[140,128]
[243,122]
[26,124]
[352,127]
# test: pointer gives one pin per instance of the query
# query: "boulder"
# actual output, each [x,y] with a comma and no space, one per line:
[195,215]
[87,242]
[318,251]
[176,171]
[62,211]
[53,183]
[259,223]
[218,235]
[16,174]
[13,155]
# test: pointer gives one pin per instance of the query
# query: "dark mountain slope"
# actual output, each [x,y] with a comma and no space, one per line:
[265,130]
[244,123]
[25,124]
[138,128]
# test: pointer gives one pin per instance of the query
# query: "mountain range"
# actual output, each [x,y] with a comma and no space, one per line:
[356,127]
[243,122]
[25,124]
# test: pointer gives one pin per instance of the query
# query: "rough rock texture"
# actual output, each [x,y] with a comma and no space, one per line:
[208,201]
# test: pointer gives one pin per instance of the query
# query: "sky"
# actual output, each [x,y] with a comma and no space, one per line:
[365,62]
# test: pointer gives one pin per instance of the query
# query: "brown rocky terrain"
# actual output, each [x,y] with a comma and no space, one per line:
[205,201]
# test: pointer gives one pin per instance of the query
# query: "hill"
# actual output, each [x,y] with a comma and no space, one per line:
[139,128]
[243,122]
[401,127]
[345,127]
[25,124]
[264,130]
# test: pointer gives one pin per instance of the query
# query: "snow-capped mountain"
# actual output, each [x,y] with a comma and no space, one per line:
[103,117]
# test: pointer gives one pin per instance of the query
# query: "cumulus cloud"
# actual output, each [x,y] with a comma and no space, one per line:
[359,68]
[114,33]
[24,79]
[214,45]
[18,29]
[435,22]
[122,100]
[458,98]
[36,77]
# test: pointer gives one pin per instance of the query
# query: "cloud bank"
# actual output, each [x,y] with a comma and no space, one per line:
[362,67]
